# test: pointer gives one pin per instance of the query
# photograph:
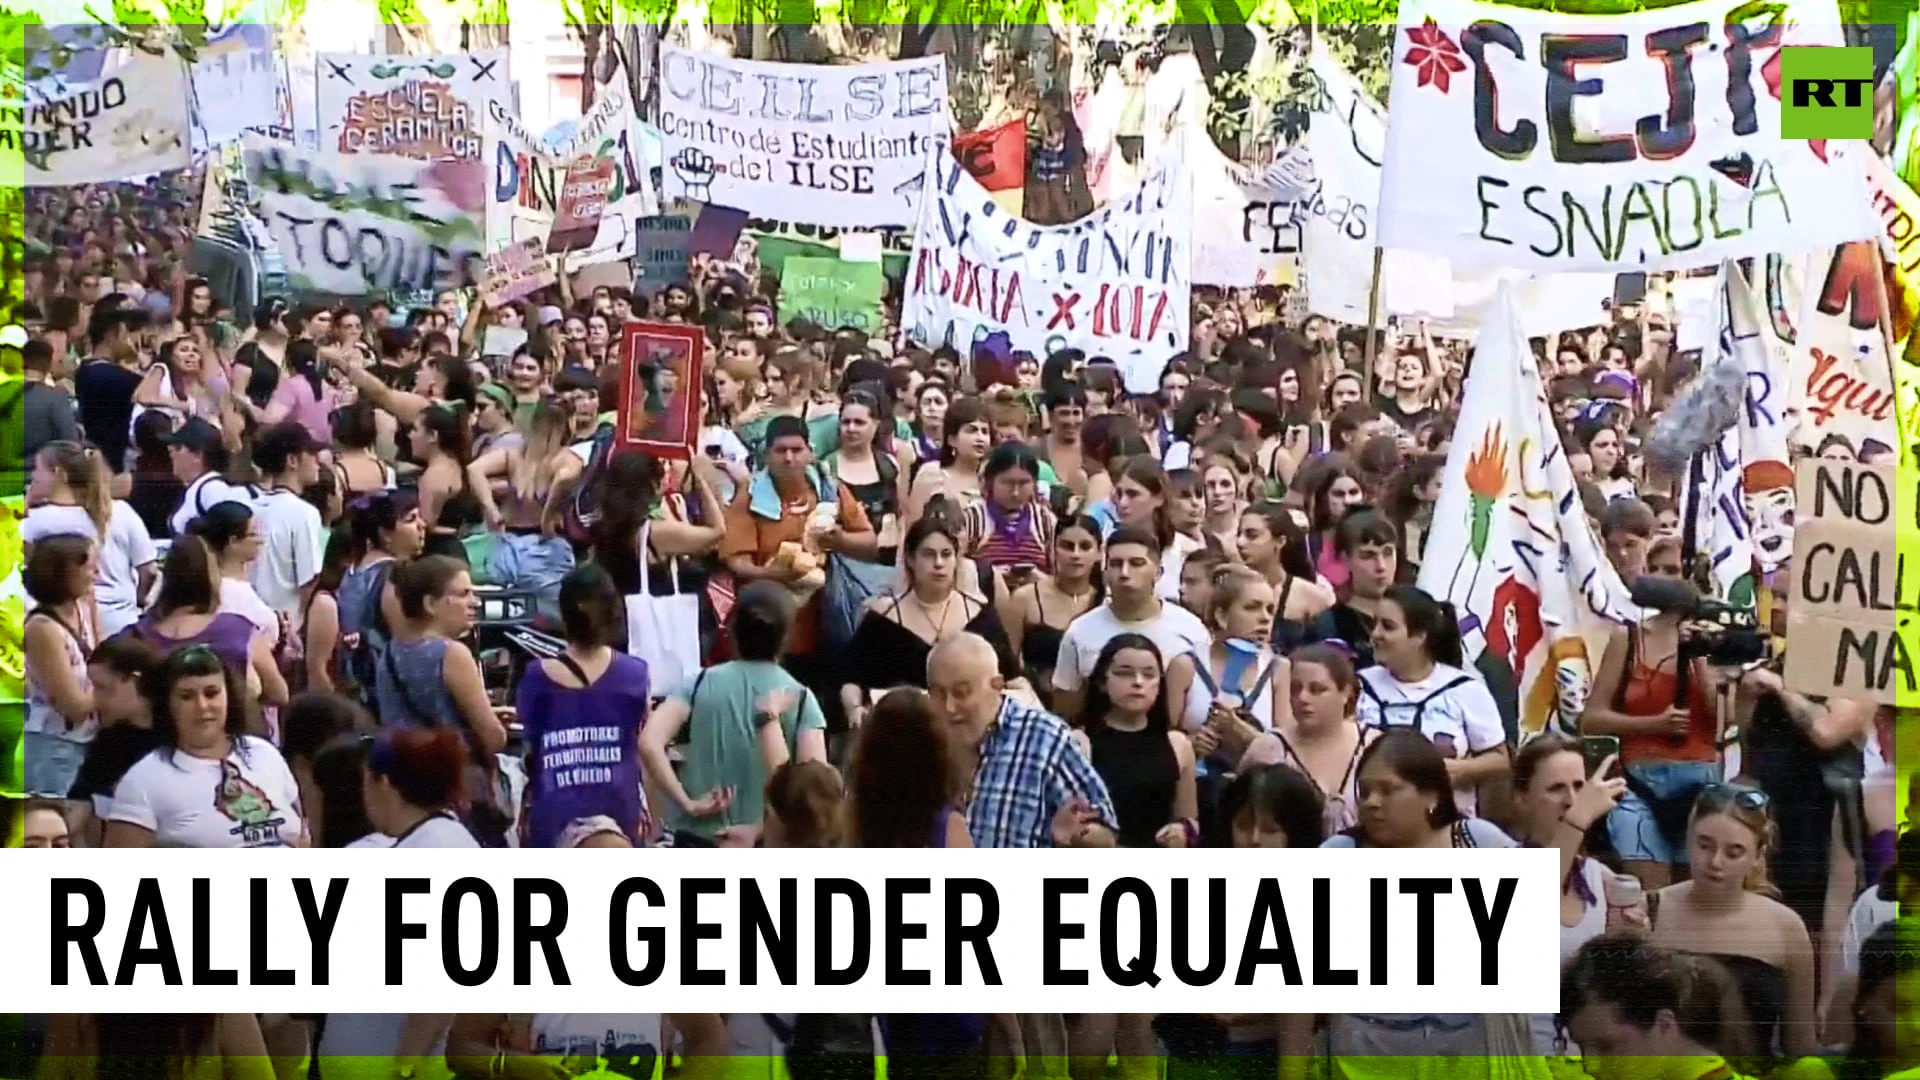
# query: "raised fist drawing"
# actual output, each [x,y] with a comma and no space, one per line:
[696,170]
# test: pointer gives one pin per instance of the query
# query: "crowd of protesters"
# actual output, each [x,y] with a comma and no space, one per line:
[935,600]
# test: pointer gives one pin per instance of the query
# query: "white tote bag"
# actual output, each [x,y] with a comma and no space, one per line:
[664,630]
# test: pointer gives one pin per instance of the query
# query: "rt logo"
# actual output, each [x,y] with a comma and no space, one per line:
[1829,93]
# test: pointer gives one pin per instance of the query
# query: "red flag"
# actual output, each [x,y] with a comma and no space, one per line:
[997,157]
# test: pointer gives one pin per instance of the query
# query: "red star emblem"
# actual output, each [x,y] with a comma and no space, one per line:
[1434,56]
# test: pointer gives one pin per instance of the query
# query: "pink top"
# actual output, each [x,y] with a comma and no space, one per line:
[1330,567]
[313,413]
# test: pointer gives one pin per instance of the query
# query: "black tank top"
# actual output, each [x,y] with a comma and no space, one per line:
[1142,773]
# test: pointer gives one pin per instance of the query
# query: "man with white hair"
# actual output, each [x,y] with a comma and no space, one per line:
[1031,786]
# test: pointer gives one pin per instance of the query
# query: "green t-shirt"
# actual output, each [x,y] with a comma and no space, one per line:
[723,748]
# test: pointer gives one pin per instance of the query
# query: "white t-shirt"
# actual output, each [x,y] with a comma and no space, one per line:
[248,800]
[209,491]
[1173,563]
[1869,914]
[1459,714]
[1176,631]
[618,1043]
[439,831]
[292,543]
[239,598]
[127,549]
[372,840]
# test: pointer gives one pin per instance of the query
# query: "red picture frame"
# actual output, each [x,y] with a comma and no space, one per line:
[663,420]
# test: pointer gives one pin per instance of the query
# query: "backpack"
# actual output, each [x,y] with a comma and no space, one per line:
[584,508]
[1419,707]
[362,647]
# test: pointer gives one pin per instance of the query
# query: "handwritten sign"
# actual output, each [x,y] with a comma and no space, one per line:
[516,271]
[1116,284]
[132,121]
[1850,624]
[354,224]
[1842,377]
[527,175]
[832,293]
[1637,141]
[836,145]
[583,200]
[432,108]
[1898,209]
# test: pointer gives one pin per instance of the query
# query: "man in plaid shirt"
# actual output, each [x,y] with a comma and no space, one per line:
[1032,787]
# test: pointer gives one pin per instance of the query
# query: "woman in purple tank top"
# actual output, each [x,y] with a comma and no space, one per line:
[187,612]
[902,790]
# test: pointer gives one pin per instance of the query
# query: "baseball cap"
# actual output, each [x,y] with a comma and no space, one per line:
[550,315]
[196,435]
[276,447]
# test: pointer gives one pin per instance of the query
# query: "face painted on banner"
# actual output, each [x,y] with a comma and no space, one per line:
[1769,501]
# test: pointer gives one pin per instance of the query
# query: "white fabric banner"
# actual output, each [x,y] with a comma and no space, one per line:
[1115,284]
[428,107]
[1737,526]
[1247,226]
[236,85]
[1842,374]
[1528,577]
[809,144]
[355,224]
[1499,157]
[525,174]
[133,121]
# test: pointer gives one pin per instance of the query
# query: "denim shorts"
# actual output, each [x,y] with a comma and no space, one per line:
[52,763]
[1633,826]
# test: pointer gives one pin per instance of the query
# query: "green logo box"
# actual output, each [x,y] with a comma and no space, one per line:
[1826,93]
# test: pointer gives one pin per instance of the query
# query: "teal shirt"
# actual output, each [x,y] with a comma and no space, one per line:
[724,747]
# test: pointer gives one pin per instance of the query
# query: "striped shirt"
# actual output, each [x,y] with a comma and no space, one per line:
[1022,539]
[1029,768]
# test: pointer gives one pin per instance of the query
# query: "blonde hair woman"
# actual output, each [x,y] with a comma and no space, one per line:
[70,493]
[1240,688]
[1728,910]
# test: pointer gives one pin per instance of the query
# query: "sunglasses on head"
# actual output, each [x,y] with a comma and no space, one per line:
[1752,800]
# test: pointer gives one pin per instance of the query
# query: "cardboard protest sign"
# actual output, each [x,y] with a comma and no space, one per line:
[1116,284]
[583,200]
[1519,559]
[832,293]
[1850,619]
[353,224]
[132,121]
[427,107]
[516,271]
[842,145]
[1556,142]
[997,157]
[526,176]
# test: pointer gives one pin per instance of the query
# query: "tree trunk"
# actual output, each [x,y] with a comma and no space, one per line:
[590,38]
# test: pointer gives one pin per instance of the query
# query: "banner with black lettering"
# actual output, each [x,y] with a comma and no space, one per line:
[842,145]
[1116,284]
[1850,631]
[133,121]
[1250,227]
[1644,140]
[355,224]
[526,174]
[428,107]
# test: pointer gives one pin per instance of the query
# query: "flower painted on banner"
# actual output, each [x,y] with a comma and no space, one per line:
[1434,55]
[1487,482]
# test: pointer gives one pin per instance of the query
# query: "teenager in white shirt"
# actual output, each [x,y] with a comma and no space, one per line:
[199,456]
[233,536]
[69,494]
[1420,681]
[1132,607]
[293,538]
[209,785]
